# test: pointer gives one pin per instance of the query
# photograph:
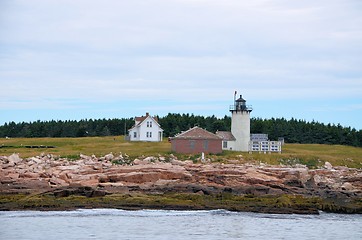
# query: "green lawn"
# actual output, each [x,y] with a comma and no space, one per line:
[312,155]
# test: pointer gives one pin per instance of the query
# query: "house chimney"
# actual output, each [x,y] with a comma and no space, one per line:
[147,114]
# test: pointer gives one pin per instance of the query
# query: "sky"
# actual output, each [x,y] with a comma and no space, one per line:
[72,60]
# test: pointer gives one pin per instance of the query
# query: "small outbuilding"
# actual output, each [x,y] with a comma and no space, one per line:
[196,140]
[228,140]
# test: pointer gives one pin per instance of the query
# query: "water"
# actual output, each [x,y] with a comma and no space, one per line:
[156,224]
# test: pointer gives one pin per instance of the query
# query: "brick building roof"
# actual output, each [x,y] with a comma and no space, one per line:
[196,133]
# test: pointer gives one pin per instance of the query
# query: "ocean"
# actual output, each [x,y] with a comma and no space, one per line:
[164,224]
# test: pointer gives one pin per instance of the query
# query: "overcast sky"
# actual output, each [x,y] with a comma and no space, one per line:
[67,59]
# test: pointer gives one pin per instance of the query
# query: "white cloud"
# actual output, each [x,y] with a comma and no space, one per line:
[93,51]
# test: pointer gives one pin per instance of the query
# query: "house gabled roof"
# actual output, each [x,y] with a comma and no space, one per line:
[140,120]
[196,133]
[226,136]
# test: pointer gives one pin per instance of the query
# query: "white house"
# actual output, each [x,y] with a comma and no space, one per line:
[146,129]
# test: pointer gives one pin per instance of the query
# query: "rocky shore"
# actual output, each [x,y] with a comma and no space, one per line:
[49,182]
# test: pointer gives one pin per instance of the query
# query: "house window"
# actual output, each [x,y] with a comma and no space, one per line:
[147,133]
[150,134]
[206,144]
[225,144]
[134,134]
[150,124]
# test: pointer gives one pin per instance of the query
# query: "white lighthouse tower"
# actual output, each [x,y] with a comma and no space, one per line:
[240,124]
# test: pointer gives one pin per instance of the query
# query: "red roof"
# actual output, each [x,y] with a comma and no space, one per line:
[139,120]
[227,136]
[196,133]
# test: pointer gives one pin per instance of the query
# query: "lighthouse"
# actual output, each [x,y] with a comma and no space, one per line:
[240,123]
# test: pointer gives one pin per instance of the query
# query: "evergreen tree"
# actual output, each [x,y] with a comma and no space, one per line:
[293,130]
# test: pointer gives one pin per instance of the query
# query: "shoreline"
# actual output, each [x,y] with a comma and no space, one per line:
[283,204]
[46,183]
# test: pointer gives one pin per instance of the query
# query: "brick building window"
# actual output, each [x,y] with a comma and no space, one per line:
[206,144]
[192,144]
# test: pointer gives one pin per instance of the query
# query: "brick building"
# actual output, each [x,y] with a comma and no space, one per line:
[196,140]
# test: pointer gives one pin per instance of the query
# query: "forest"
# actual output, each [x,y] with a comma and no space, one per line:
[293,130]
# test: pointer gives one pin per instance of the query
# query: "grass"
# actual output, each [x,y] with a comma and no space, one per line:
[312,155]
[72,147]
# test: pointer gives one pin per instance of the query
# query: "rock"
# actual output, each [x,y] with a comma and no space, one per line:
[55,164]
[8,165]
[328,166]
[233,161]
[188,162]
[4,159]
[97,166]
[14,158]
[110,184]
[85,157]
[177,162]
[106,165]
[29,175]
[89,182]
[13,175]
[141,162]
[64,176]
[35,160]
[151,176]
[109,157]
[347,186]
[57,182]
[141,177]
[149,159]
[69,168]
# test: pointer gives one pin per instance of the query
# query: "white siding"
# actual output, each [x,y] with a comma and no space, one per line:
[240,128]
[230,145]
[147,131]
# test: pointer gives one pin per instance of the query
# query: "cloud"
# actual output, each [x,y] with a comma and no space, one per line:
[60,53]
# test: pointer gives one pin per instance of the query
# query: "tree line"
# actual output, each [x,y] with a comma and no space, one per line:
[293,130]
